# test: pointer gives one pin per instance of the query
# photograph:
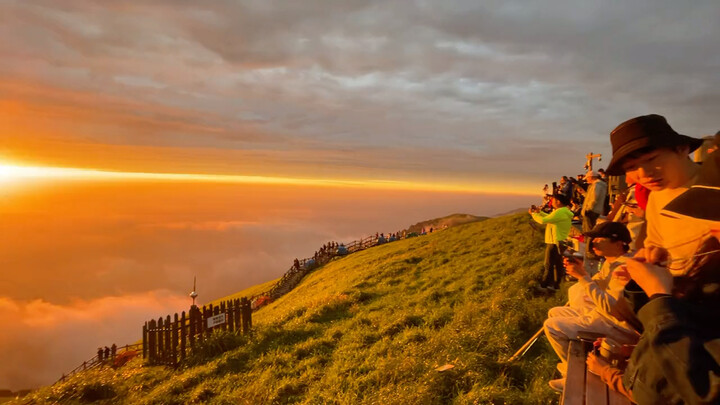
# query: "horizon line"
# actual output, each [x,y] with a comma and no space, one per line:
[10,172]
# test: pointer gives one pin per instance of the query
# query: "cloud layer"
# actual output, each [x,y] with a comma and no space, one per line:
[41,341]
[399,89]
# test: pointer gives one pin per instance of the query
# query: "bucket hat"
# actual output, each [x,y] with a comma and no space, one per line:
[641,132]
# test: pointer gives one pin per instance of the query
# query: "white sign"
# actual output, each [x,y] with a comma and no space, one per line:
[216,320]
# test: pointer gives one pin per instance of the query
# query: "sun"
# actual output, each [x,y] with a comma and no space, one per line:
[13,173]
[7,173]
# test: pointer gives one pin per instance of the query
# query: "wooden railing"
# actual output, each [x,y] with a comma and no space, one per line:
[99,361]
[294,275]
[168,341]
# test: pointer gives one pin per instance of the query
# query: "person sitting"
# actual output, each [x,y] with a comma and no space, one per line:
[677,359]
[656,156]
[558,228]
[595,304]
[381,239]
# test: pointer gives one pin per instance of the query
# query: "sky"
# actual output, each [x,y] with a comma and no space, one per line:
[142,144]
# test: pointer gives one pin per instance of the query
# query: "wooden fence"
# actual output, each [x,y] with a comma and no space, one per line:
[294,275]
[99,361]
[168,341]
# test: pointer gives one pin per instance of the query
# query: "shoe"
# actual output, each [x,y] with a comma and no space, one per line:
[551,288]
[562,368]
[557,385]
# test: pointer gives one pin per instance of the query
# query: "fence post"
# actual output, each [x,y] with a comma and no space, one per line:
[222,311]
[175,331]
[193,325]
[145,340]
[237,315]
[229,316]
[207,313]
[246,315]
[161,341]
[168,341]
[152,341]
[183,336]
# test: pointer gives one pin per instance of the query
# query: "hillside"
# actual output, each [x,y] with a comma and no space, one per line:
[444,222]
[371,328]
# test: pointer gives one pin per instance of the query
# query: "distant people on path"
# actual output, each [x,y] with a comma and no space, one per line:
[557,229]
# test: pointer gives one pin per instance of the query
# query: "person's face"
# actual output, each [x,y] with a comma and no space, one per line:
[658,169]
[555,203]
[606,246]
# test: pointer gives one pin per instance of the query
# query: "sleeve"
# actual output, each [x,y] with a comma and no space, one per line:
[551,218]
[690,364]
[653,237]
[603,293]
[600,191]
[538,217]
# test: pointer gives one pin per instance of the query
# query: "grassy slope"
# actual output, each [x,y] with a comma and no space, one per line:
[248,292]
[371,328]
[450,221]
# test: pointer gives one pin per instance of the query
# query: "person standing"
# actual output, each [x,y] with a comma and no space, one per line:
[558,222]
[594,204]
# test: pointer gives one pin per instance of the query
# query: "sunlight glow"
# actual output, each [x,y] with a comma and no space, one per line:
[16,173]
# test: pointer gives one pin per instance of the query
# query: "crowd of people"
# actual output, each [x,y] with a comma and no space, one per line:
[652,218]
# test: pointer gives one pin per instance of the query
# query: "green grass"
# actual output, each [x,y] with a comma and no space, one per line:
[248,292]
[371,328]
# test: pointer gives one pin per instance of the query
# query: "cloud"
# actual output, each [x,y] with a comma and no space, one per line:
[282,80]
[41,341]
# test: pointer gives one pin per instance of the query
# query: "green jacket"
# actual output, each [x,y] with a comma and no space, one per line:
[558,224]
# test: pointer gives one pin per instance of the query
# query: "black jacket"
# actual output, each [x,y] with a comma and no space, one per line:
[677,358]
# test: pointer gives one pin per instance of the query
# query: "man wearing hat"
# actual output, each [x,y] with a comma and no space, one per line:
[601,307]
[558,223]
[677,359]
[594,204]
[649,150]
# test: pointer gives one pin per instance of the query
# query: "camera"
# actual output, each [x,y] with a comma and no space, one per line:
[572,255]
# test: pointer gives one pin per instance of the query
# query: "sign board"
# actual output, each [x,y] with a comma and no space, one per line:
[216,320]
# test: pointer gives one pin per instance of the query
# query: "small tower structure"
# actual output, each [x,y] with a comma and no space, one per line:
[194,293]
